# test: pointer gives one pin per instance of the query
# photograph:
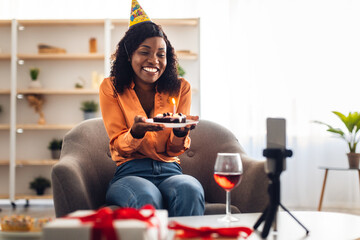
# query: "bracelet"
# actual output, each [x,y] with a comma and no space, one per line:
[136,136]
[180,133]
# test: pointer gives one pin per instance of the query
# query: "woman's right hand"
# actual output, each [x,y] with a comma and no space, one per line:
[140,127]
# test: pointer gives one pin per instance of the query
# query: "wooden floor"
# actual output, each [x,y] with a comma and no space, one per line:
[45,208]
[36,209]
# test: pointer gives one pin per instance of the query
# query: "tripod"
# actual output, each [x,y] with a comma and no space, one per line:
[276,164]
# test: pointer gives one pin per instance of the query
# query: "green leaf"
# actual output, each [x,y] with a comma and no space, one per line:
[89,106]
[357,121]
[323,123]
[353,120]
[352,123]
[346,120]
[34,72]
[336,130]
[331,129]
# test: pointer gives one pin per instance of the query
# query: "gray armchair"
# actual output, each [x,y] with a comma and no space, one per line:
[81,177]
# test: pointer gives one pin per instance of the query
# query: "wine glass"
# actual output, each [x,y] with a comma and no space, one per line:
[228,173]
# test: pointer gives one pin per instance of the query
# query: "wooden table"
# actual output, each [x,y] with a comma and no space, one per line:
[325,178]
[322,225]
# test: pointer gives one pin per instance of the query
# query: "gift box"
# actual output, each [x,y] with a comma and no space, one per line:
[124,224]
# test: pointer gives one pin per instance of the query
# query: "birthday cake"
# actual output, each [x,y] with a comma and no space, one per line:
[170,118]
[22,223]
[19,223]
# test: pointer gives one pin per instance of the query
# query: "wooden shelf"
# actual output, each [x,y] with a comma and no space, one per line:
[5,56]
[186,55]
[59,92]
[59,22]
[4,126]
[4,91]
[62,56]
[40,162]
[5,23]
[163,22]
[26,196]
[4,163]
[4,196]
[45,127]
[29,196]
[87,56]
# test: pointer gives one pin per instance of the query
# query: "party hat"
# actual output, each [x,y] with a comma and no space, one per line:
[137,14]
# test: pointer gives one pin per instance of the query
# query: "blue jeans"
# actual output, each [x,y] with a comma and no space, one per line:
[146,181]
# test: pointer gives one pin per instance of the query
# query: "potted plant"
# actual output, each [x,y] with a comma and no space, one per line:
[350,135]
[80,84]
[34,73]
[39,184]
[181,71]
[55,148]
[89,108]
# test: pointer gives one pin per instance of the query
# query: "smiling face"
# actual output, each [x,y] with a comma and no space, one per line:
[149,61]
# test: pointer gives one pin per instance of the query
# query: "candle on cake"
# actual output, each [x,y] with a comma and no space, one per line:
[174,107]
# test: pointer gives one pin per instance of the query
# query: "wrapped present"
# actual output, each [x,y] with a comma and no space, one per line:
[106,224]
[183,232]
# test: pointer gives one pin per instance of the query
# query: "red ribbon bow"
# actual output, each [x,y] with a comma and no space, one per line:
[102,220]
[209,232]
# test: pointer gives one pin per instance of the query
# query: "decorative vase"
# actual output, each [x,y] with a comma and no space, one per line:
[40,191]
[88,115]
[35,84]
[55,154]
[353,159]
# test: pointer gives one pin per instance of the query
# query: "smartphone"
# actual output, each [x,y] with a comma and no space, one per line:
[276,133]
[275,139]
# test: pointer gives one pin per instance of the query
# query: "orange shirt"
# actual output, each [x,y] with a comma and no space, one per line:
[118,114]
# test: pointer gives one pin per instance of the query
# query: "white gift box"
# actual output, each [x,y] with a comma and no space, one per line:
[130,229]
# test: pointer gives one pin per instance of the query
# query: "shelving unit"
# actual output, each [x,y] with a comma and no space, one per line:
[5,82]
[62,56]
[59,92]
[22,158]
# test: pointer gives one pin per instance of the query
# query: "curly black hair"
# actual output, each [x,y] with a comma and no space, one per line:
[121,70]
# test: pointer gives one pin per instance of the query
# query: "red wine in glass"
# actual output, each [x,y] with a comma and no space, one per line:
[227,181]
[228,171]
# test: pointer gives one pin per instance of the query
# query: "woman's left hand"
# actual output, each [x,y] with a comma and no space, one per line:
[181,132]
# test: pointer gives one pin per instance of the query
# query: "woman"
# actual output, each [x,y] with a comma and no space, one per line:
[143,80]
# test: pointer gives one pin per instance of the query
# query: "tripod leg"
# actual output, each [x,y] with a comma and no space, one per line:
[261,218]
[269,220]
[283,207]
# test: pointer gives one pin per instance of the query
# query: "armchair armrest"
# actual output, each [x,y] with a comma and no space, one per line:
[69,190]
[81,177]
[252,193]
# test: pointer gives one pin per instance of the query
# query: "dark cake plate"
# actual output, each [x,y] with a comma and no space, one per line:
[173,125]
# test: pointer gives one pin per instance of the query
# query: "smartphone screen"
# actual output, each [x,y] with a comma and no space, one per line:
[275,139]
[276,133]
